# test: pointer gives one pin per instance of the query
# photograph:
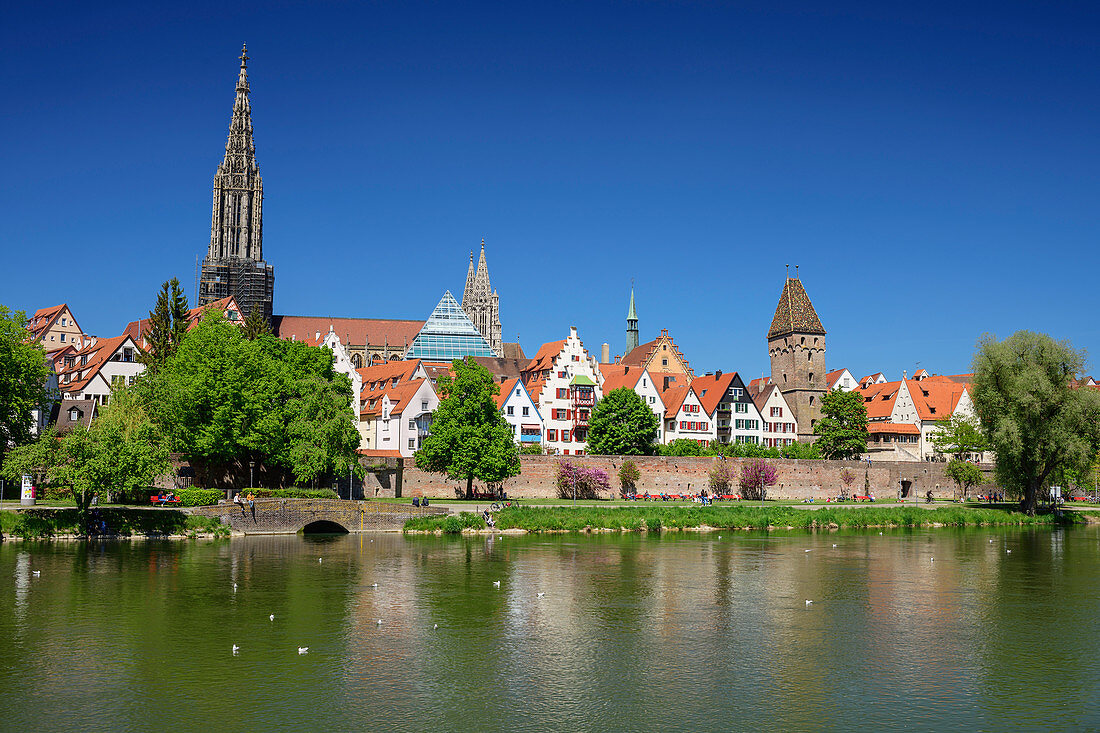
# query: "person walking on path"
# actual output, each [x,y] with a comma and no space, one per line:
[252,505]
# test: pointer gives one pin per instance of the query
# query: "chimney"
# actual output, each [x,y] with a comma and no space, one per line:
[718,374]
[605,353]
[904,374]
[316,335]
[666,382]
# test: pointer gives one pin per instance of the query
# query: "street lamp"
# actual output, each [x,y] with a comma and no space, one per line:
[251,465]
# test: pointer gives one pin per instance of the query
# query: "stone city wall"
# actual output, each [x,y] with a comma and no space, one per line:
[798,479]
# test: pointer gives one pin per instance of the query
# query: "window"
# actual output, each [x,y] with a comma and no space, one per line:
[664,362]
[424,405]
[576,357]
[652,400]
[395,381]
[511,410]
[737,392]
[563,393]
[561,375]
[526,411]
[741,407]
[131,379]
[412,424]
[63,341]
[62,321]
[565,436]
[552,435]
[412,443]
[811,400]
[517,391]
[777,412]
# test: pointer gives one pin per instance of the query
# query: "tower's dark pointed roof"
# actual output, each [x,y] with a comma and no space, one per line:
[795,313]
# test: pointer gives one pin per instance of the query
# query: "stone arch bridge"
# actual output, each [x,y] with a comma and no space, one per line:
[288,516]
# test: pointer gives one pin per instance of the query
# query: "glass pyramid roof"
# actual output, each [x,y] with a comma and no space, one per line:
[448,334]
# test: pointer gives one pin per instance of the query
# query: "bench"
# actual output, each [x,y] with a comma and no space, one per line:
[155,500]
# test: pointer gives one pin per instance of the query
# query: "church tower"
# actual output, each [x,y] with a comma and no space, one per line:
[631,324]
[796,345]
[234,263]
[482,304]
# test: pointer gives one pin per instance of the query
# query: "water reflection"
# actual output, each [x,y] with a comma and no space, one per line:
[938,629]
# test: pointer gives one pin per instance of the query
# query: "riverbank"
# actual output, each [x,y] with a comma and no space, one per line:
[47,523]
[699,518]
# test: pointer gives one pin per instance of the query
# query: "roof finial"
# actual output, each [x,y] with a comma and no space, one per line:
[788,271]
[796,272]
[244,55]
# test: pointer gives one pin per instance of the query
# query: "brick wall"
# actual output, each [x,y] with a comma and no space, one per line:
[797,479]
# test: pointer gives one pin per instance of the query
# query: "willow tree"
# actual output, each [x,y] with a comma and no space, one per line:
[1037,421]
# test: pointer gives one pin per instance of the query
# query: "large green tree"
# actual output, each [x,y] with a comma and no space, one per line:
[964,474]
[23,374]
[224,400]
[842,429]
[1034,418]
[469,437]
[168,323]
[622,425]
[255,325]
[960,435]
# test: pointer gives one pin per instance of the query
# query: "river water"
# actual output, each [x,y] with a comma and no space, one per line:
[928,630]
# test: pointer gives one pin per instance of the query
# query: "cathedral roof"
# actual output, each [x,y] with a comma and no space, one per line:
[795,313]
[352,331]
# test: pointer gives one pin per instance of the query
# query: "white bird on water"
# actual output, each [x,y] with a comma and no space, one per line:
[234,587]
[809,603]
[236,648]
[435,626]
[834,545]
[271,617]
[374,585]
[303,649]
[378,622]
[496,583]
[36,573]
[807,550]
[320,559]
[540,595]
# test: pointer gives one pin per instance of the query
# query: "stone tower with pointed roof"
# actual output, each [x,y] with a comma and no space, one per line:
[631,325]
[796,345]
[482,304]
[234,263]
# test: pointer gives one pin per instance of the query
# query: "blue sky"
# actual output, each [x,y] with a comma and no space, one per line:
[932,169]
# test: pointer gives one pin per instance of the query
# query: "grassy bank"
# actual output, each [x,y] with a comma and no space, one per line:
[45,523]
[656,518]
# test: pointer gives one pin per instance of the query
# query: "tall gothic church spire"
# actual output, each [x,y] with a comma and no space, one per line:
[482,304]
[234,263]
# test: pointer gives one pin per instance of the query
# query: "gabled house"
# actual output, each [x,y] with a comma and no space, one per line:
[341,361]
[395,408]
[659,356]
[55,328]
[521,412]
[139,330]
[870,379]
[730,407]
[97,368]
[685,416]
[564,381]
[841,379]
[780,427]
[638,379]
[68,414]
[902,416]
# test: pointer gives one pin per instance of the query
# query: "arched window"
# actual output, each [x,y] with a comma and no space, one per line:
[811,382]
[803,341]
[357,361]
[395,357]
[811,405]
[376,358]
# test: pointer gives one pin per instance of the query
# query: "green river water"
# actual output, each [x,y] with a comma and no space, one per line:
[927,630]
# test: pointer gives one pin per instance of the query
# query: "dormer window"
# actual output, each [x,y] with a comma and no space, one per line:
[74,415]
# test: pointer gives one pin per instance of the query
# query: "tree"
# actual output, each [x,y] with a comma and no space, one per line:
[802,451]
[721,475]
[168,322]
[224,401]
[622,425]
[255,325]
[629,475]
[578,482]
[122,451]
[756,476]
[1035,420]
[23,373]
[469,437]
[34,459]
[964,474]
[847,477]
[960,435]
[842,430]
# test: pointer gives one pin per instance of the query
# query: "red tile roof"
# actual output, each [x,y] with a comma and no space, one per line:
[365,331]
[544,358]
[757,385]
[893,428]
[761,398]
[506,389]
[935,399]
[616,376]
[98,354]
[711,388]
[673,397]
[376,453]
[399,397]
[376,378]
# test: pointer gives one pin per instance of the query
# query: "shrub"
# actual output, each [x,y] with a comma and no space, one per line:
[452,524]
[582,483]
[629,475]
[199,497]
[721,475]
[55,493]
[756,476]
[683,447]
[847,476]
[531,449]
[292,493]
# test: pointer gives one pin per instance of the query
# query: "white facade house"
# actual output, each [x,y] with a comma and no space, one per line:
[638,379]
[841,379]
[780,426]
[341,362]
[903,416]
[685,416]
[92,372]
[564,381]
[730,407]
[521,412]
[396,402]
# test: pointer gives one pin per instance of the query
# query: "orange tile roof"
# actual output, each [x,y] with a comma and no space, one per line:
[399,397]
[714,386]
[935,399]
[674,397]
[534,388]
[620,375]
[377,453]
[761,398]
[506,389]
[545,357]
[879,399]
[639,355]
[832,377]
[893,427]
[98,354]
[382,375]
[756,386]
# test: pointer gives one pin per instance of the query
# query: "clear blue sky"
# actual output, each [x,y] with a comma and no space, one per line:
[933,169]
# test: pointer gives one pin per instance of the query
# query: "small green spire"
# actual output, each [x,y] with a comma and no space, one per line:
[631,314]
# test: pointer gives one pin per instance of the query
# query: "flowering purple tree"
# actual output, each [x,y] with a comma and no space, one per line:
[721,476]
[848,477]
[586,482]
[756,476]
